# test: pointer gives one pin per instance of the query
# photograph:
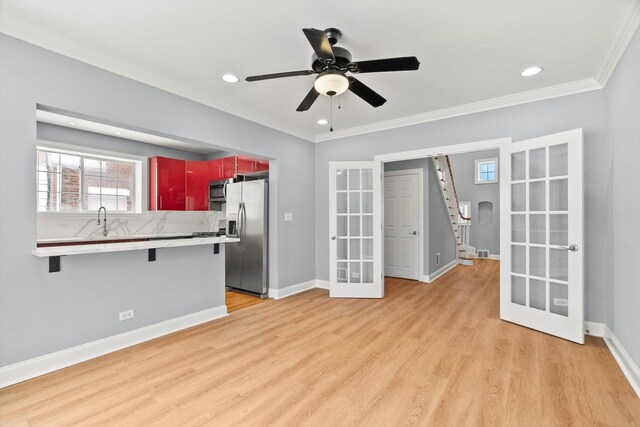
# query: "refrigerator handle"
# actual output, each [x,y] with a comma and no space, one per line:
[224,190]
[244,220]
[239,222]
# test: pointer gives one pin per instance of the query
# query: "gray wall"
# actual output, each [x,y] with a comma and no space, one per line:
[483,236]
[622,97]
[438,237]
[521,122]
[36,308]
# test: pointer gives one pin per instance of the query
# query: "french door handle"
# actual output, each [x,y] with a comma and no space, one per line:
[333,237]
[415,233]
[572,248]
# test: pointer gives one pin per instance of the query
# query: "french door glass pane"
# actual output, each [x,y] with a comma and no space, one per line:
[354,179]
[558,229]
[367,179]
[341,202]
[367,202]
[518,197]
[342,248]
[354,272]
[354,249]
[537,196]
[367,272]
[559,298]
[558,160]
[518,231]
[518,166]
[354,202]
[537,166]
[342,271]
[518,290]
[559,264]
[538,261]
[367,225]
[367,249]
[342,226]
[537,229]
[518,259]
[537,294]
[558,195]
[341,179]
[354,225]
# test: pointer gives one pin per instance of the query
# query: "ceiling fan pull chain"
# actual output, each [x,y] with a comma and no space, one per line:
[331,114]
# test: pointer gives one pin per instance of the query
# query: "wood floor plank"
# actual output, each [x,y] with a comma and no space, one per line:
[426,354]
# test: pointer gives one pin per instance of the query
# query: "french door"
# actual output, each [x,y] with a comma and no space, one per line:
[541,249]
[355,227]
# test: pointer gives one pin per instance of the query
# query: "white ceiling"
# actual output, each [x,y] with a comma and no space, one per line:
[471,52]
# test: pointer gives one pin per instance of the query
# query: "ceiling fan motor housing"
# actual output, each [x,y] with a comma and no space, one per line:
[343,58]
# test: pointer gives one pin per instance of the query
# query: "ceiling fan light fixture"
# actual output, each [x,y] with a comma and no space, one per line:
[331,83]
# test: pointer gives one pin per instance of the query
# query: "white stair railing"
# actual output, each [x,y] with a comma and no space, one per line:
[460,224]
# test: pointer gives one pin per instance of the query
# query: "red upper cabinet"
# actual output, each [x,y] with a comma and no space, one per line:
[197,173]
[215,170]
[248,164]
[229,167]
[167,184]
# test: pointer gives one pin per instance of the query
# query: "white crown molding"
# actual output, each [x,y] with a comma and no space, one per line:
[67,47]
[541,94]
[626,30]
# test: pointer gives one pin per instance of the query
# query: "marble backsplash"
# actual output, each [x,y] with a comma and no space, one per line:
[59,226]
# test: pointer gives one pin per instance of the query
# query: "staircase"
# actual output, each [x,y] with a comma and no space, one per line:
[459,222]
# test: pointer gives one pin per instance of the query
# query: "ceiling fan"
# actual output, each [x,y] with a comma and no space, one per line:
[332,62]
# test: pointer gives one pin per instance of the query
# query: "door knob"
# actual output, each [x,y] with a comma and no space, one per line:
[333,237]
[572,248]
[415,233]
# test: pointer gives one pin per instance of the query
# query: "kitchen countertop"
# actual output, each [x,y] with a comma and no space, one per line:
[157,242]
[112,237]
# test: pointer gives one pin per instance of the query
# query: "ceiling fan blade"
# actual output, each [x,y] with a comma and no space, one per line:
[279,75]
[365,92]
[406,63]
[320,43]
[308,100]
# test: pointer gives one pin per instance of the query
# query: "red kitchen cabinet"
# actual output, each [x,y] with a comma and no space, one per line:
[197,180]
[167,184]
[215,170]
[248,164]
[229,167]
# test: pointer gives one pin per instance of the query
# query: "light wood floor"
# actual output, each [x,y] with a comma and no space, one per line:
[425,354]
[236,301]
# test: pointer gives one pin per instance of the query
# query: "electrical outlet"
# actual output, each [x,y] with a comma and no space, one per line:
[126,315]
[561,302]
[288,217]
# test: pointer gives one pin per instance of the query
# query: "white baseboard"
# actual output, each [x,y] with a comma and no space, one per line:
[292,290]
[424,278]
[494,256]
[21,371]
[433,276]
[595,329]
[322,284]
[626,363]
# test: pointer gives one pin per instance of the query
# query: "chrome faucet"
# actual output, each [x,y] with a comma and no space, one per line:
[104,232]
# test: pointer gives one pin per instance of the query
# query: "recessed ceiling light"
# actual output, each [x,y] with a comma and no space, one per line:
[118,133]
[72,123]
[229,78]
[531,71]
[323,121]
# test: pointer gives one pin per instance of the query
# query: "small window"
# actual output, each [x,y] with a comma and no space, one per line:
[486,171]
[70,181]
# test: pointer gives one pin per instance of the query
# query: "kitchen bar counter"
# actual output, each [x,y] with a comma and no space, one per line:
[123,244]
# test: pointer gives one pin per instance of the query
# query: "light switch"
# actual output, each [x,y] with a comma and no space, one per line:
[288,217]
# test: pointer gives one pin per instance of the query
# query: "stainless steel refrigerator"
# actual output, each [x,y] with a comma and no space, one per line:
[247,218]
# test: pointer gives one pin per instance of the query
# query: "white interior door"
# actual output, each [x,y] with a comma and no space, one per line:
[541,256]
[355,227]
[401,224]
